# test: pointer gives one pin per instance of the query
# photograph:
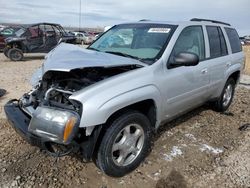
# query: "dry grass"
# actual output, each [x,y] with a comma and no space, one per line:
[247,64]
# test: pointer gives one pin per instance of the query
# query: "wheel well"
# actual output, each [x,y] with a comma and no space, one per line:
[16,45]
[235,76]
[146,107]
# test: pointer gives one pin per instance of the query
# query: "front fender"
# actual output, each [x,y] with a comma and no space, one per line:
[96,113]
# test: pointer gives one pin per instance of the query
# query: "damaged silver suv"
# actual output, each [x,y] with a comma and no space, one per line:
[106,101]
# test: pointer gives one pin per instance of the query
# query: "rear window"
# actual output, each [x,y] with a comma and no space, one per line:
[217,42]
[234,40]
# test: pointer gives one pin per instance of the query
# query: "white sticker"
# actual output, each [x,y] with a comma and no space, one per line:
[159,30]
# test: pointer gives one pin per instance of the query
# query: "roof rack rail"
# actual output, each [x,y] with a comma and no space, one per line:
[144,20]
[207,20]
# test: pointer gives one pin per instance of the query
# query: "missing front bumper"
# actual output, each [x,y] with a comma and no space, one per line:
[20,122]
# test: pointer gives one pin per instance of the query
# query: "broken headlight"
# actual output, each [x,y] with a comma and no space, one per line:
[56,125]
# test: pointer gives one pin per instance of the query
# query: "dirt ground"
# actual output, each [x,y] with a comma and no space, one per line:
[247,53]
[200,149]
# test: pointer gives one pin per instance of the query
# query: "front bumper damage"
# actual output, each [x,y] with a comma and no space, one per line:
[20,121]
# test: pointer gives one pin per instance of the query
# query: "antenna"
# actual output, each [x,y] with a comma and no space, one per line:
[80,13]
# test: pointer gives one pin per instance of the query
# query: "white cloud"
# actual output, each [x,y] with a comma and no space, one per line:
[109,12]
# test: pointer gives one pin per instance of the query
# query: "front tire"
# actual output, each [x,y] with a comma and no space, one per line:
[15,54]
[6,51]
[226,98]
[125,144]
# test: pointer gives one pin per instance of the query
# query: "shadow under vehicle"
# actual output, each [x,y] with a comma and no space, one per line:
[36,38]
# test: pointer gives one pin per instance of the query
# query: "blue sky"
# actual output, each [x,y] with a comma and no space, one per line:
[109,12]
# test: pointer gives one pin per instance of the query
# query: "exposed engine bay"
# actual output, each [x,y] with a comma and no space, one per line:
[57,86]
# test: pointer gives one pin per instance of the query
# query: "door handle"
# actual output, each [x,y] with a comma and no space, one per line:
[204,71]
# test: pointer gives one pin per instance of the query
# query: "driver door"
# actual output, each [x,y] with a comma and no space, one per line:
[186,86]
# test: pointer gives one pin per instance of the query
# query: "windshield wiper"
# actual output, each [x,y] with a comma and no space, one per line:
[123,54]
[90,48]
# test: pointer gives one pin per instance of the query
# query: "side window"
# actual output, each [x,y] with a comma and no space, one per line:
[217,42]
[190,40]
[234,40]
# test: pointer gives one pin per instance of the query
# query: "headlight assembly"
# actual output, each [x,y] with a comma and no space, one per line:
[55,125]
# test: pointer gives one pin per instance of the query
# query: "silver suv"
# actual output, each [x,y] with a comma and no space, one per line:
[105,102]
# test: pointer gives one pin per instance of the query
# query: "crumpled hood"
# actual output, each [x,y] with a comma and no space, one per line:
[66,57]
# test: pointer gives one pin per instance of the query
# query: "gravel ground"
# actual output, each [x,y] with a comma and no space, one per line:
[246,50]
[200,149]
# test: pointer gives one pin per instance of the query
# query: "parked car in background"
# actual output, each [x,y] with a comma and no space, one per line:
[36,38]
[90,38]
[2,27]
[242,40]
[106,101]
[98,35]
[7,32]
[245,40]
[81,38]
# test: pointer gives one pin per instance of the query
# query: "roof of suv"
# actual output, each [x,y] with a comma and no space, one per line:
[193,21]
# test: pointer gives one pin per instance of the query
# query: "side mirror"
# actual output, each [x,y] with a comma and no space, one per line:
[185,59]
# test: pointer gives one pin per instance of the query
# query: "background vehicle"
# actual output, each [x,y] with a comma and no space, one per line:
[84,37]
[81,38]
[90,38]
[35,38]
[5,33]
[2,27]
[107,101]
[245,40]
[98,35]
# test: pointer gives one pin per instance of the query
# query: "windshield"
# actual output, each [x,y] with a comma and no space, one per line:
[140,41]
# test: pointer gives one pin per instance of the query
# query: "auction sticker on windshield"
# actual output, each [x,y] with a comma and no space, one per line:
[159,30]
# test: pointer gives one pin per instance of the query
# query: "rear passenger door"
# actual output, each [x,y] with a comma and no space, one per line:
[235,45]
[218,58]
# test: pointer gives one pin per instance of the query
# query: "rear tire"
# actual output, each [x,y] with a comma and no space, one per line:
[225,100]
[125,144]
[15,54]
